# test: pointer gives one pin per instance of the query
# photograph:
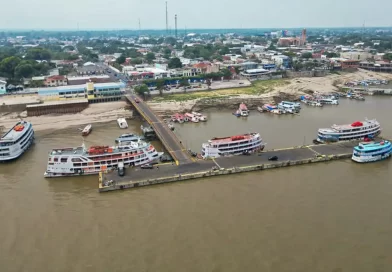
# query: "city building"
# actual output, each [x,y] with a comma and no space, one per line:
[89,90]
[281,61]
[207,67]
[78,80]
[255,73]
[377,66]
[3,89]
[356,55]
[298,41]
[249,65]
[53,81]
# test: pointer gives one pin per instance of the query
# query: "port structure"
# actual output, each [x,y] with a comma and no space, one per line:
[169,140]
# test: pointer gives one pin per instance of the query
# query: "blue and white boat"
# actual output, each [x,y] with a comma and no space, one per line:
[16,141]
[372,151]
[355,131]
[129,137]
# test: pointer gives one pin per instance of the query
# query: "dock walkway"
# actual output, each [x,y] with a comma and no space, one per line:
[137,177]
[167,137]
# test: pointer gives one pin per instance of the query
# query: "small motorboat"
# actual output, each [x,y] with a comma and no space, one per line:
[122,123]
[260,109]
[87,130]
[237,113]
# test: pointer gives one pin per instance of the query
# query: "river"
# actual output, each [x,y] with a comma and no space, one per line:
[327,217]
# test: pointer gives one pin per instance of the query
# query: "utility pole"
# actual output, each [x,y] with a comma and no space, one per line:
[167,21]
[175,22]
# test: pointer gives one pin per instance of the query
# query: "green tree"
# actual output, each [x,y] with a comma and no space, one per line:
[121,59]
[184,82]
[226,73]
[388,56]
[38,53]
[8,65]
[174,63]
[160,84]
[24,70]
[170,40]
[150,57]
[142,89]
[136,61]
[307,55]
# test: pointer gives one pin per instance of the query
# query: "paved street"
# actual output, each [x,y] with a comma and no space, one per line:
[167,137]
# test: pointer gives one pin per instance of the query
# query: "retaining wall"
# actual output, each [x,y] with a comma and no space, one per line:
[205,174]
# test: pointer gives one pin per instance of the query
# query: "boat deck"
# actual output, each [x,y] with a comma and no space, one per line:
[136,177]
[12,134]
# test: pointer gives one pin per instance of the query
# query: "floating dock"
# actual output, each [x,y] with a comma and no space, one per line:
[137,177]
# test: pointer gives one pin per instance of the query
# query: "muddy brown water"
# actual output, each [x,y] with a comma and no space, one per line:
[325,217]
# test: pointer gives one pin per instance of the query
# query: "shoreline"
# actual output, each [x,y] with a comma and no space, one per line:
[95,113]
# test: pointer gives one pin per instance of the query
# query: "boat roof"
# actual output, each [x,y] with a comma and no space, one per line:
[370,146]
[82,150]
[349,126]
[230,138]
[12,134]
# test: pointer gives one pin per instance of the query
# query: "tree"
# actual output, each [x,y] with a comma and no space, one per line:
[150,57]
[174,63]
[38,53]
[307,55]
[136,61]
[121,59]
[142,89]
[289,54]
[170,40]
[160,84]
[226,73]
[24,70]
[388,56]
[184,82]
[8,65]
[331,54]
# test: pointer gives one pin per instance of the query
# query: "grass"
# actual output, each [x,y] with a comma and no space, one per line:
[258,87]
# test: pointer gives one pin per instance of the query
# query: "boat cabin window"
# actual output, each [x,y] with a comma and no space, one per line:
[56,159]
[64,159]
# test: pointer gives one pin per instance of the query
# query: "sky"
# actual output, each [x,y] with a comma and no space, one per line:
[125,14]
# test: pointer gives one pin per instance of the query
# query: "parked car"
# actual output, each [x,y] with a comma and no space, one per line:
[121,169]
[147,166]
[137,100]
[273,158]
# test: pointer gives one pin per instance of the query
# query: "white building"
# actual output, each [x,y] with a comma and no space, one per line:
[2,87]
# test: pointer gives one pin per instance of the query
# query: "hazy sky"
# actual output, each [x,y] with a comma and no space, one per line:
[124,14]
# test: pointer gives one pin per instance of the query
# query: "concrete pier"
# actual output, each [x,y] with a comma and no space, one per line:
[137,177]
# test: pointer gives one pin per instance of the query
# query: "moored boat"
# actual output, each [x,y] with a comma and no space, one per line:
[234,145]
[355,131]
[260,109]
[192,117]
[82,161]
[243,110]
[87,130]
[16,141]
[237,113]
[128,137]
[122,123]
[372,151]
[201,117]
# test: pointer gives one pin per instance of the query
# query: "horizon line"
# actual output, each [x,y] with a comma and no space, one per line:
[163,29]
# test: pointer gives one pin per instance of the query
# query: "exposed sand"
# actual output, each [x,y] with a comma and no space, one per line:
[95,113]
[297,87]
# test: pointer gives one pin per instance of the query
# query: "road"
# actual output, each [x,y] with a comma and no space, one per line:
[168,138]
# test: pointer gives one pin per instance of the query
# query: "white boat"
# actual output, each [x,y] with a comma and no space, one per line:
[355,131]
[328,101]
[192,117]
[295,105]
[171,126]
[128,137]
[243,110]
[260,109]
[122,123]
[289,108]
[372,151]
[201,117]
[87,130]
[16,141]
[77,161]
[234,145]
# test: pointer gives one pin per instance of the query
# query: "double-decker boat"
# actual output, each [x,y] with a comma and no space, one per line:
[355,131]
[16,141]
[234,145]
[82,161]
[372,151]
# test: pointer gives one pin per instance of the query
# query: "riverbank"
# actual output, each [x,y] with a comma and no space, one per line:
[261,92]
[95,113]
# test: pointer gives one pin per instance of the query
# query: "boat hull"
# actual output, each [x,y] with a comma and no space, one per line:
[365,159]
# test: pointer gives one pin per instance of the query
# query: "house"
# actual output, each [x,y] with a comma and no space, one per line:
[54,81]
[2,87]
[207,67]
